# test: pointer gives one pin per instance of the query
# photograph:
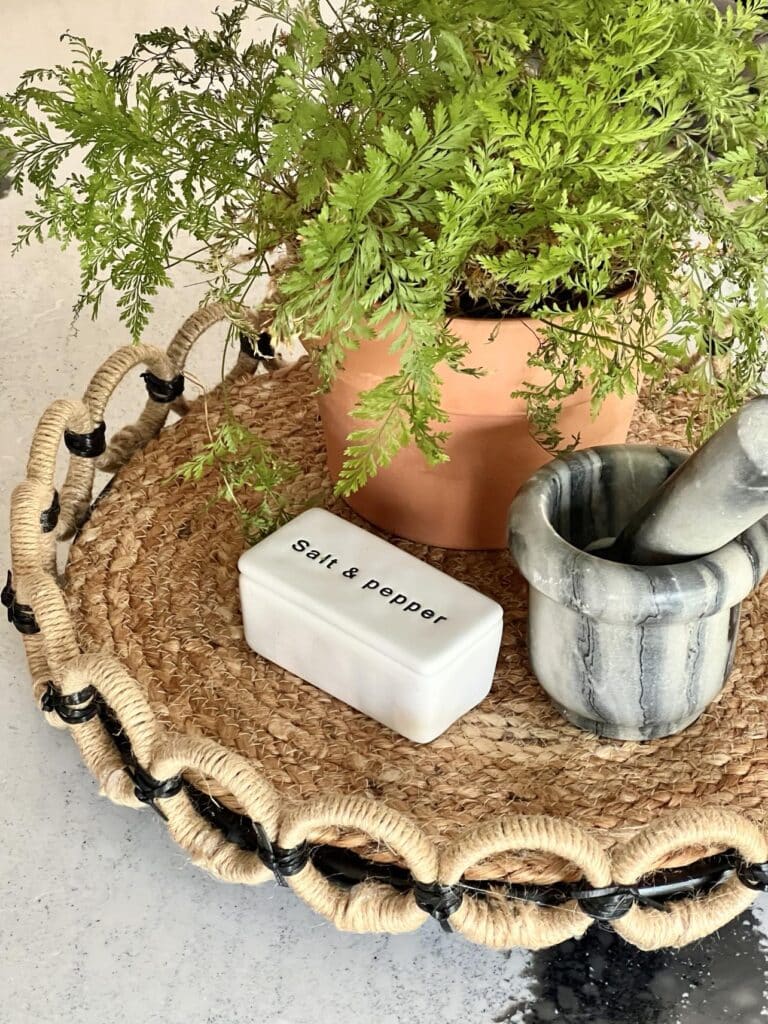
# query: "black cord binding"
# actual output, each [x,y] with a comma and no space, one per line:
[236,828]
[19,615]
[250,835]
[72,708]
[439,901]
[281,861]
[607,904]
[261,350]
[148,789]
[87,446]
[754,876]
[345,868]
[94,504]
[163,391]
[49,517]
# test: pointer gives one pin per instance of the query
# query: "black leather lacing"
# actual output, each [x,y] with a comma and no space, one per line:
[87,446]
[754,876]
[19,615]
[163,391]
[438,900]
[49,517]
[149,790]
[259,348]
[72,708]
[608,904]
[281,861]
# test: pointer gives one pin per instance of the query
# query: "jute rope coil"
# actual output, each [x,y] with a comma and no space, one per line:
[80,649]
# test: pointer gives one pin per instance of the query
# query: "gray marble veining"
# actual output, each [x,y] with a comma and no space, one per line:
[626,651]
[719,492]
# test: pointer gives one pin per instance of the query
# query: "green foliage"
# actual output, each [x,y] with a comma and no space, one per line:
[6,157]
[243,463]
[397,157]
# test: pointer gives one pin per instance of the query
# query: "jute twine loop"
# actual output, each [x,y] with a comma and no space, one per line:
[40,673]
[61,415]
[126,441]
[692,918]
[121,694]
[502,847]
[368,906]
[165,365]
[42,592]
[250,791]
[76,492]
[493,922]
[205,761]
[31,549]
[130,706]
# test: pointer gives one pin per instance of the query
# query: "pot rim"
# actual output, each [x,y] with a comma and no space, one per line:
[621,296]
[593,586]
[310,344]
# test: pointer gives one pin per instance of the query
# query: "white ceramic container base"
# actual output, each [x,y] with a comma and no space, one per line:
[370,624]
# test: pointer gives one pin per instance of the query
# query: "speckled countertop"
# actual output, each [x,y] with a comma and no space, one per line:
[102,918]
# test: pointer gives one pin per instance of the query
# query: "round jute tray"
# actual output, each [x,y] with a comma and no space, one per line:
[513,828]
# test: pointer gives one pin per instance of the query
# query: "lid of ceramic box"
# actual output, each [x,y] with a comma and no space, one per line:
[364,586]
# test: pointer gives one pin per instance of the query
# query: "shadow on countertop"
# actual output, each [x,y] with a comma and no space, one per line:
[603,980]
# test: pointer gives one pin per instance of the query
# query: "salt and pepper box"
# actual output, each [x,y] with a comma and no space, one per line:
[370,624]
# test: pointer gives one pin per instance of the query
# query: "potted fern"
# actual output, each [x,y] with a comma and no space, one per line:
[488,224]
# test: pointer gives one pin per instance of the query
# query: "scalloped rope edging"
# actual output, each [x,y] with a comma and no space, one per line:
[76,690]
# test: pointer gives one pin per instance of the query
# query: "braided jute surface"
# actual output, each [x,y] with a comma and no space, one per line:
[148,614]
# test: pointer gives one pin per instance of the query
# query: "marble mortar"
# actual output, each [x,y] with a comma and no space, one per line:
[625,651]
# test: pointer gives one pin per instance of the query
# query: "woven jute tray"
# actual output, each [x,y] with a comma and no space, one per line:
[513,828]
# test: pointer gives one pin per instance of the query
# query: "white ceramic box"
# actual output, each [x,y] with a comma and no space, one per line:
[370,624]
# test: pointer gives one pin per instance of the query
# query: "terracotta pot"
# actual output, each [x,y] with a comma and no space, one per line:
[463,503]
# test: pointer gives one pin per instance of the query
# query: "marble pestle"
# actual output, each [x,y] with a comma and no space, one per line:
[715,495]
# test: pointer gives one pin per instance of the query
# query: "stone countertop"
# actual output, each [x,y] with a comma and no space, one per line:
[102,918]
